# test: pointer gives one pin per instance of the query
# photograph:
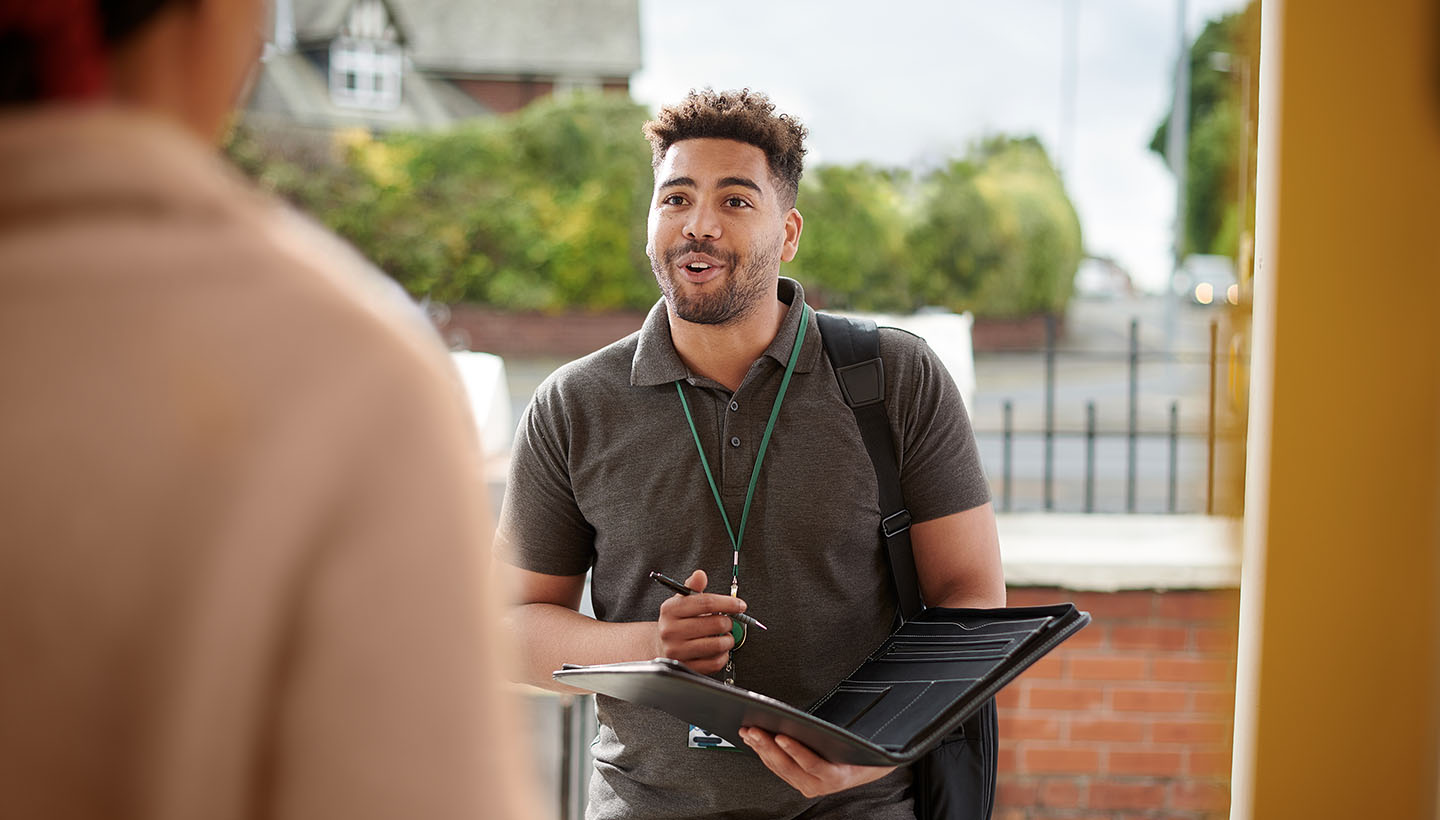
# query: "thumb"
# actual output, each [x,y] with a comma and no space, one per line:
[697,580]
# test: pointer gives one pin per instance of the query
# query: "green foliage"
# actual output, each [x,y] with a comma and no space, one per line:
[852,246]
[546,210]
[1223,83]
[999,236]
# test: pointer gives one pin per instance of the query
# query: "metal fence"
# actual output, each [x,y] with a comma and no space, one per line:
[1212,436]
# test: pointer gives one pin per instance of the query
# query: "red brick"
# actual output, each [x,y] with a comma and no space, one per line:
[1157,764]
[1091,637]
[1198,605]
[1108,668]
[1076,697]
[1172,638]
[1050,667]
[1008,698]
[1015,792]
[1215,703]
[1006,760]
[1010,814]
[1029,728]
[1149,700]
[1061,794]
[1218,640]
[1191,732]
[1035,596]
[1192,796]
[1111,605]
[1194,670]
[1068,760]
[1209,764]
[1108,731]
[1106,794]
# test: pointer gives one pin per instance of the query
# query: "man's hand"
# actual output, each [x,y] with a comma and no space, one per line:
[692,632]
[807,772]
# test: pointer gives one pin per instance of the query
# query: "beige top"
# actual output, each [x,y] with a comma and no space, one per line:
[242,549]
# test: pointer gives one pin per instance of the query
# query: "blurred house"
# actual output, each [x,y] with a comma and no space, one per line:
[408,64]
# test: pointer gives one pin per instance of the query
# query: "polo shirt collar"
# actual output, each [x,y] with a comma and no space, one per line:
[657,362]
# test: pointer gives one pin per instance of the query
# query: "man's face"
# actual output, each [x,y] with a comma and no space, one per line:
[718,230]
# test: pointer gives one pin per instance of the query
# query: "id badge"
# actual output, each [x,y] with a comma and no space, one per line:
[701,739]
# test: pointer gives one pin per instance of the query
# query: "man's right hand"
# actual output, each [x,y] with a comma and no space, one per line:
[693,631]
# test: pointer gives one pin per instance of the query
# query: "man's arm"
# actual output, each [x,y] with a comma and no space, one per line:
[550,631]
[957,558]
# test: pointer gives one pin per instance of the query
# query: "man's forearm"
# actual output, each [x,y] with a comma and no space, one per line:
[548,635]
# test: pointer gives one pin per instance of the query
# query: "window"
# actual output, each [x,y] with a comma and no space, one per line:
[366,62]
[365,74]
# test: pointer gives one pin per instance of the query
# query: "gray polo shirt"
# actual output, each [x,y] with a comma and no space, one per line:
[605,476]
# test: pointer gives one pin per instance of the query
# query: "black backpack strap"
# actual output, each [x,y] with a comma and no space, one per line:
[853,346]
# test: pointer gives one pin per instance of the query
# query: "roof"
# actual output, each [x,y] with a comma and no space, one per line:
[566,38]
[292,86]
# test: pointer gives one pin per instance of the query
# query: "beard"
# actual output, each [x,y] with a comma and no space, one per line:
[744,287]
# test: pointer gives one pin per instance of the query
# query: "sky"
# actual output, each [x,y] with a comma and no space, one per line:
[913,82]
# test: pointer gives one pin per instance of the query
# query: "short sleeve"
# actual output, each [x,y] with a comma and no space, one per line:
[542,528]
[940,469]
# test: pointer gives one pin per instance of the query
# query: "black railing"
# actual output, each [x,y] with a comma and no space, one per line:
[1133,432]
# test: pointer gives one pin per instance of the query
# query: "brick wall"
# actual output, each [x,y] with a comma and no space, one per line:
[1129,719]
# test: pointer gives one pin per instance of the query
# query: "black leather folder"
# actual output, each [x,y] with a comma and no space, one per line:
[916,688]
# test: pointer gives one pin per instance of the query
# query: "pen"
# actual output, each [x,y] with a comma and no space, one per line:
[667,581]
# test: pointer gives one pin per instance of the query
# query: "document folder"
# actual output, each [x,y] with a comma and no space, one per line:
[919,685]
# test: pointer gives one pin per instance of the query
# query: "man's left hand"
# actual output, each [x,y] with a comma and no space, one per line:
[809,773]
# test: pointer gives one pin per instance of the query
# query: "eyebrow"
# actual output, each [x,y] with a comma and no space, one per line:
[725,182]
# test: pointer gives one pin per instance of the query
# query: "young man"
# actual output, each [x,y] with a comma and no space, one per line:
[242,570]
[617,455]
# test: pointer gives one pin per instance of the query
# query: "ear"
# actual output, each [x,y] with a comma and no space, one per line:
[794,224]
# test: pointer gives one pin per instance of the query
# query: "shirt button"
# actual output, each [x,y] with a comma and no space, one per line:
[734,405]
[734,441]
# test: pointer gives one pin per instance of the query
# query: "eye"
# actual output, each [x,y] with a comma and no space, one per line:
[673,199]
[736,202]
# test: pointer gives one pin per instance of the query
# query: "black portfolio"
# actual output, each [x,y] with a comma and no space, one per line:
[917,687]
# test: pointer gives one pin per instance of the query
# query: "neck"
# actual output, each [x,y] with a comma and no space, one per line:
[725,352]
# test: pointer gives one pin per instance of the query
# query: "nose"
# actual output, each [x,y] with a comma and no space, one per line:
[702,224]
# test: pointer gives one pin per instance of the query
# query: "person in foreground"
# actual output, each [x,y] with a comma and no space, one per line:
[242,572]
[613,469]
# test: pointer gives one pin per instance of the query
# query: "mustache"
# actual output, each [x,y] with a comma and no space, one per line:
[730,259]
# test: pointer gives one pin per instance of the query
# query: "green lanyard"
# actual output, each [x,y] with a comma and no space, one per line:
[737,537]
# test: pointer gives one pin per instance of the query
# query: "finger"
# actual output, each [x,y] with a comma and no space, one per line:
[777,760]
[697,580]
[805,758]
[713,647]
[704,603]
[675,628]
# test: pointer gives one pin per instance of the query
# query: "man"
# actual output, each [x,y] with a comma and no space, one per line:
[615,461]
[242,572]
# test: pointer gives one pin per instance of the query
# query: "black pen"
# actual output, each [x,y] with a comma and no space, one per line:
[667,581]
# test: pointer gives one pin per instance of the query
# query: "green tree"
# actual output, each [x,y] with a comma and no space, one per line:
[546,210]
[1223,82]
[998,235]
[852,247]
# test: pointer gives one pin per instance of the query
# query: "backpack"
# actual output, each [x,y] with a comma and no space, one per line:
[956,780]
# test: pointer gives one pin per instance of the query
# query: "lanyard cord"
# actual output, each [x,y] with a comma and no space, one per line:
[737,538]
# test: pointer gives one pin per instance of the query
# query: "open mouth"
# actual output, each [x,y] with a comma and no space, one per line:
[699,267]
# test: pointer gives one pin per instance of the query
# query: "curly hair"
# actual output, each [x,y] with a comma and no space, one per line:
[744,116]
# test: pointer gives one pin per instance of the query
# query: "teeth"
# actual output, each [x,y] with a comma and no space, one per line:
[698,266]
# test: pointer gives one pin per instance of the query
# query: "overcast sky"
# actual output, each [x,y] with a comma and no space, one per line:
[911,82]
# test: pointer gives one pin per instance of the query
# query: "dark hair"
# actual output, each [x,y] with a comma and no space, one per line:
[745,116]
[22,52]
